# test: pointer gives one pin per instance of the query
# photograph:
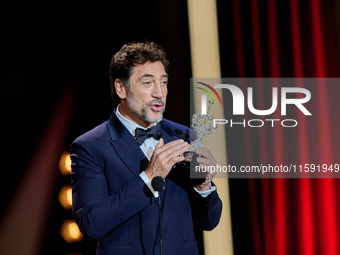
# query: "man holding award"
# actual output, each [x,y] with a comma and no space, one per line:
[113,167]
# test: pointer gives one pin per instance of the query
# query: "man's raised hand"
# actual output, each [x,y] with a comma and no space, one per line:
[165,156]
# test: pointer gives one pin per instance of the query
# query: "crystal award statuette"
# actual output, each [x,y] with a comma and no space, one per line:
[188,169]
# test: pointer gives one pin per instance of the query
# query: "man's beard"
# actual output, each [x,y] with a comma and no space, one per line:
[147,118]
[144,115]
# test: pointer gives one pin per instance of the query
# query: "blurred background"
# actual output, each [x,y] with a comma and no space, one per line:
[55,87]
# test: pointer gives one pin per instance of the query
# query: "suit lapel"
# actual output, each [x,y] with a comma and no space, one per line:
[126,146]
[168,134]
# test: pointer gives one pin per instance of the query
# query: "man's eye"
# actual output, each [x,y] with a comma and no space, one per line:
[165,82]
[147,83]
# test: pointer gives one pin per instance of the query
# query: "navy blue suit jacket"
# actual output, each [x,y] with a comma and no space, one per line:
[112,204]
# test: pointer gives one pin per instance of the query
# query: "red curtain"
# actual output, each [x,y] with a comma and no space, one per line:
[292,39]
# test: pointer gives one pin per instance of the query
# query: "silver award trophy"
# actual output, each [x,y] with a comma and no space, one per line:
[187,169]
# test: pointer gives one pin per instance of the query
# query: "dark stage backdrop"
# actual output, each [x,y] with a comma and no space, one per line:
[284,39]
[49,47]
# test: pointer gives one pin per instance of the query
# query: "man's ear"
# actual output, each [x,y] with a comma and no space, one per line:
[120,89]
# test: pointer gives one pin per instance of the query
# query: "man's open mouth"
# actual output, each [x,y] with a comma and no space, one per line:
[156,107]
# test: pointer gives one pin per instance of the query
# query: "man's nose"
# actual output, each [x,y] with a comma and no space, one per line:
[158,91]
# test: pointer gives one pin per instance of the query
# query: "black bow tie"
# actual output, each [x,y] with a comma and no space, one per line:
[142,134]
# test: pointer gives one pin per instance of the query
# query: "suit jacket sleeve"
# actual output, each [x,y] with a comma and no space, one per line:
[96,212]
[206,212]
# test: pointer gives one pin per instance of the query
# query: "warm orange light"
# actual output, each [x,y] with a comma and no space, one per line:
[70,231]
[65,197]
[65,163]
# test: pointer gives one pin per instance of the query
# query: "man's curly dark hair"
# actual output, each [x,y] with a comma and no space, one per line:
[130,55]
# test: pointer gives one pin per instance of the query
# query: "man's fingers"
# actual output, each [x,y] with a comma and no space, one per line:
[176,150]
[172,148]
[174,160]
[206,161]
[160,143]
[163,147]
[203,161]
[171,152]
[204,152]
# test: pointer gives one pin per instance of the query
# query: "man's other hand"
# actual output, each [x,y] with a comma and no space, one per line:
[205,161]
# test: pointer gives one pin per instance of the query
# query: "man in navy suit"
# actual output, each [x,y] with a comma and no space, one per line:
[113,165]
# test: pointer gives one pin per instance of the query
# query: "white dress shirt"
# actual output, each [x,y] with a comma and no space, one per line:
[148,147]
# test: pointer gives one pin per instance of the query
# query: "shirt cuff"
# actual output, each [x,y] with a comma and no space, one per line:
[207,192]
[147,181]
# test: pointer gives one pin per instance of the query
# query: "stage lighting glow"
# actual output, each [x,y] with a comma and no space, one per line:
[70,232]
[65,163]
[65,197]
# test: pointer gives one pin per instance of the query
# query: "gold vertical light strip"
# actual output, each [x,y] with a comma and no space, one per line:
[205,63]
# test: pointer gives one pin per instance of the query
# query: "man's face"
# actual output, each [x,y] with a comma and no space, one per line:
[146,94]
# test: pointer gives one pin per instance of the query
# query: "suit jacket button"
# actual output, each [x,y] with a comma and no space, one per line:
[184,239]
